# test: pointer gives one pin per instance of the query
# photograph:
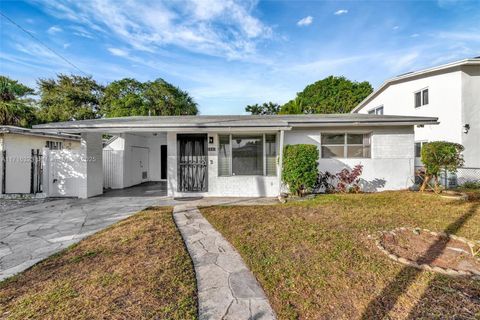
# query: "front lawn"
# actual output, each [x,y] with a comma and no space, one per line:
[135,269]
[315,259]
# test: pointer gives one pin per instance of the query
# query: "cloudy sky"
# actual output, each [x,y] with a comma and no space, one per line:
[230,53]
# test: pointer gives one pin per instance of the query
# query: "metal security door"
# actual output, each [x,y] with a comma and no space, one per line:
[192,162]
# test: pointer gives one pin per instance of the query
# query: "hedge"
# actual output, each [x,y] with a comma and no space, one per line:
[299,168]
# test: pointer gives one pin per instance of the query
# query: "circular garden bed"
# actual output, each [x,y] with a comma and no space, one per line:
[428,250]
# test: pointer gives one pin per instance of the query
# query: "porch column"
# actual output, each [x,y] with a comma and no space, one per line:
[280,160]
[171,163]
[91,151]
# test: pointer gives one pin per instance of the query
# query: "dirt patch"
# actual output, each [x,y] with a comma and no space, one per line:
[423,247]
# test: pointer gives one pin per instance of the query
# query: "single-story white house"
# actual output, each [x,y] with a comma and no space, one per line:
[234,155]
[21,151]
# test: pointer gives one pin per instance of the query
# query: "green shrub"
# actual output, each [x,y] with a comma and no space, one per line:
[440,156]
[471,185]
[299,172]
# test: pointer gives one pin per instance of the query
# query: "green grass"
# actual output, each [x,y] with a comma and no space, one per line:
[316,260]
[135,269]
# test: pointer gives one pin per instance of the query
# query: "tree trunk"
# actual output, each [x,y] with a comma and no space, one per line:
[425,183]
[436,184]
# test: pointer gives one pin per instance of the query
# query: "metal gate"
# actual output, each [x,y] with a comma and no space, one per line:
[36,172]
[192,162]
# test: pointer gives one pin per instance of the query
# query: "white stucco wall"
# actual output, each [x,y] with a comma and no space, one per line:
[18,165]
[444,90]
[127,143]
[391,166]
[231,186]
[471,115]
[454,97]
[91,151]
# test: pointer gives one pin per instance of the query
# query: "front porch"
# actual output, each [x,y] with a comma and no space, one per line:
[175,164]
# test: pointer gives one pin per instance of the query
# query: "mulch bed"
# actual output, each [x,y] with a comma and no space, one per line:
[422,248]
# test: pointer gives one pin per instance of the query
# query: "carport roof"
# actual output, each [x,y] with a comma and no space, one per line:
[172,123]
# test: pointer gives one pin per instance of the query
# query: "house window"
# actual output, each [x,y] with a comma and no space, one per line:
[224,152]
[54,145]
[421,98]
[377,110]
[345,145]
[270,155]
[247,155]
[418,148]
[240,155]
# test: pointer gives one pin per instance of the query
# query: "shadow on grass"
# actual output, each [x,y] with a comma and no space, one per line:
[379,307]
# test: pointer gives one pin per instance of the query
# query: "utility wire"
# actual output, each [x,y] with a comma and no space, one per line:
[43,44]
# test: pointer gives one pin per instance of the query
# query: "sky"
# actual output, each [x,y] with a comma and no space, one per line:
[228,53]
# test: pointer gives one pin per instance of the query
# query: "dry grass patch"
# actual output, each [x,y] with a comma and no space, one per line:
[135,269]
[315,260]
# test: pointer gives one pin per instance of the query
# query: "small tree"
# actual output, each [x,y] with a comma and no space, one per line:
[300,171]
[438,156]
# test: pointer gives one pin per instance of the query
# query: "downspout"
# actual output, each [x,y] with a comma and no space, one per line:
[280,161]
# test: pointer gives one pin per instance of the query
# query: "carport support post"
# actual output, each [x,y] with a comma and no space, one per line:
[280,160]
[91,151]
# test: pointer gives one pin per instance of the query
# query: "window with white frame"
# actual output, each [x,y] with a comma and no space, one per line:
[418,148]
[421,98]
[247,155]
[346,145]
[54,145]
[377,110]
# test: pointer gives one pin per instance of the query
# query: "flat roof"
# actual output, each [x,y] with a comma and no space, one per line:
[272,122]
[37,133]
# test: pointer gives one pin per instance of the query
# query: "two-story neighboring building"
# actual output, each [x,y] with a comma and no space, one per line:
[450,92]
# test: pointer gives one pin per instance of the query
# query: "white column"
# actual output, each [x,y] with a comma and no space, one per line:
[91,150]
[171,164]
[46,172]
[280,160]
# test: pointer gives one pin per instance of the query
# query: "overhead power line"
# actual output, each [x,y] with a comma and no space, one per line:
[43,44]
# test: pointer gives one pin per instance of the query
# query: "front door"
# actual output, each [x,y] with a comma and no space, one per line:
[140,164]
[192,162]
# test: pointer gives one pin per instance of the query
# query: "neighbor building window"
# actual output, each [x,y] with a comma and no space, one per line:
[421,98]
[346,145]
[54,145]
[240,155]
[377,110]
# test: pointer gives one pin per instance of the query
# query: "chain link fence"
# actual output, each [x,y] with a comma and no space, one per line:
[451,180]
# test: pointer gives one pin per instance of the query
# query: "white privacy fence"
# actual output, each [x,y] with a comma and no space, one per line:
[112,169]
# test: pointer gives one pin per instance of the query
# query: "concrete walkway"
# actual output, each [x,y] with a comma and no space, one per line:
[226,288]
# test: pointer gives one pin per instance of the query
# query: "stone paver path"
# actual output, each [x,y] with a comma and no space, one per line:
[226,287]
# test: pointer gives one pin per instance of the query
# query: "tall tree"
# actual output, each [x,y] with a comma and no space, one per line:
[164,99]
[129,97]
[264,109]
[16,108]
[330,95]
[69,98]
[123,98]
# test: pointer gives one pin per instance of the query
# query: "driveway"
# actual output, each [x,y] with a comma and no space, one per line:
[31,234]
